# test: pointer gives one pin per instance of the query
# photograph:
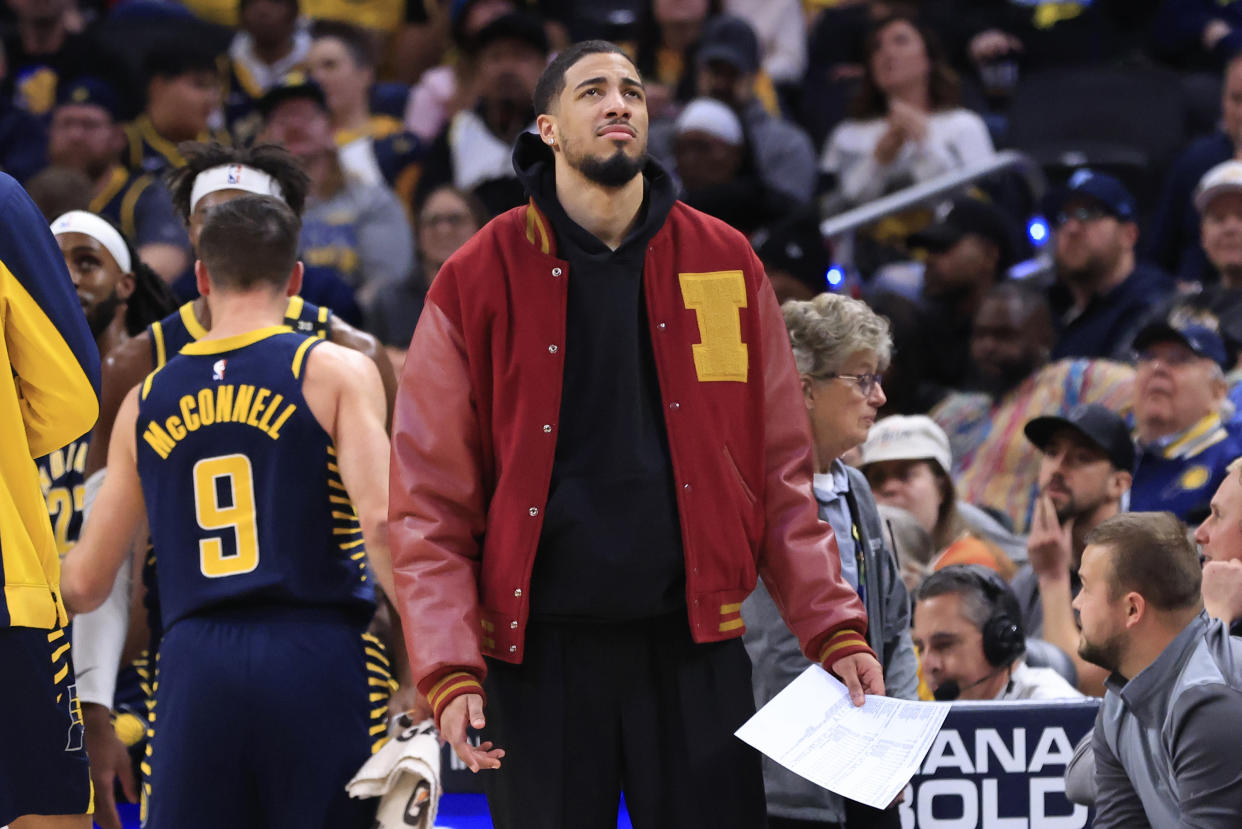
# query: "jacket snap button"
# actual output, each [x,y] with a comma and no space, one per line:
[674,405]
[518,593]
[556,271]
[534,511]
[552,349]
[513,625]
[513,649]
[661,326]
[547,428]
[686,487]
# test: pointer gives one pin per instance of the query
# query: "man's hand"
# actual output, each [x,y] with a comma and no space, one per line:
[1222,590]
[109,762]
[861,674]
[468,708]
[1050,545]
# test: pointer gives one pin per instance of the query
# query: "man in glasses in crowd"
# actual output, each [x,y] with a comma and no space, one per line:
[1101,294]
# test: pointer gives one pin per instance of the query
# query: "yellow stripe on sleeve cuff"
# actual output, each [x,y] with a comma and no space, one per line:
[448,688]
[841,644]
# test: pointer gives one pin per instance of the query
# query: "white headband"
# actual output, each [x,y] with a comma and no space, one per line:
[233,177]
[79,221]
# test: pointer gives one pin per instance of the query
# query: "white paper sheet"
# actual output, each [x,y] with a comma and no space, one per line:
[867,754]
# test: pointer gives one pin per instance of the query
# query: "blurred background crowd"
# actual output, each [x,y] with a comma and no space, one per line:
[1042,197]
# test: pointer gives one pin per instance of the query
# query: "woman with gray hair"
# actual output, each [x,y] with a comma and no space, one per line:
[841,348]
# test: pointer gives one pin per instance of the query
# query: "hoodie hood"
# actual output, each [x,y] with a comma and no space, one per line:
[534,163]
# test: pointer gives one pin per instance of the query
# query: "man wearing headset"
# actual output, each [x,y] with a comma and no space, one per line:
[968,632]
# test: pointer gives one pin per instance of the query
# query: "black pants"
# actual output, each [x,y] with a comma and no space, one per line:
[595,710]
[857,816]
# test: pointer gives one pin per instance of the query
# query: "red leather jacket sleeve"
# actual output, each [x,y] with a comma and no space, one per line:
[799,563]
[437,511]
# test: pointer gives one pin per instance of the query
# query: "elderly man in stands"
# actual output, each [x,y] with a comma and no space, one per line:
[968,632]
[993,464]
[1086,461]
[1165,740]
[1179,407]
[1220,543]
[1218,202]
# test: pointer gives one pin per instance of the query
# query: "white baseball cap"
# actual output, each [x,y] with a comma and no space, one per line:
[907,438]
[1225,177]
[712,117]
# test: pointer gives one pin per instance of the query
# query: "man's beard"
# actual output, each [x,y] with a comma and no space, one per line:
[1001,378]
[1092,272]
[100,317]
[613,172]
[1106,654]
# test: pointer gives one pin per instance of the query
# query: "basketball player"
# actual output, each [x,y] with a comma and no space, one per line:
[214,174]
[258,456]
[121,296]
[48,397]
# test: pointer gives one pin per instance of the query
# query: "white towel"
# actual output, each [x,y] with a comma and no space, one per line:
[405,775]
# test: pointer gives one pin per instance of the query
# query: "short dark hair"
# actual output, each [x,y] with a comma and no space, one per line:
[249,241]
[174,58]
[1152,556]
[970,584]
[552,81]
[272,159]
[357,42]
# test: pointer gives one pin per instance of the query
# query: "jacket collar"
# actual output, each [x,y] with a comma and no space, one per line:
[538,230]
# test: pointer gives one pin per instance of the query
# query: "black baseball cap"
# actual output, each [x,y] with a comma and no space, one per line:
[730,40]
[292,86]
[966,216]
[795,246]
[88,92]
[1102,427]
[1198,333]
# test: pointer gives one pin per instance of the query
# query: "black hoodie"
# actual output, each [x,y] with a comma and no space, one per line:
[611,544]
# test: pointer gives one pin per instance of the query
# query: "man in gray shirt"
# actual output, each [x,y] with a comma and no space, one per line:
[1166,737]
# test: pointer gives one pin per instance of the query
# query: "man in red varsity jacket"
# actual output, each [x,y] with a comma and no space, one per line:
[598,442]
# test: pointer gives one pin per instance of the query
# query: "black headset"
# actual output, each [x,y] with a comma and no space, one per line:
[1003,637]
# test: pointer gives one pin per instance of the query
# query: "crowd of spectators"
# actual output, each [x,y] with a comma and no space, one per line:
[1031,364]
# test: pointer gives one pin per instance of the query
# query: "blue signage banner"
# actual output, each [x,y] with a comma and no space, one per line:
[992,766]
[1000,766]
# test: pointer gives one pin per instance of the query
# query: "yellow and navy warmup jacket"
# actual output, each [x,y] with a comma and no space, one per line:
[244,496]
[49,397]
[178,329]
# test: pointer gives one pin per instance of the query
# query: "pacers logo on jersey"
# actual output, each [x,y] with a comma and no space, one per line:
[217,369]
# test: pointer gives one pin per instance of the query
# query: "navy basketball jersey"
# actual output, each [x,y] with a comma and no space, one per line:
[171,334]
[244,497]
[64,486]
